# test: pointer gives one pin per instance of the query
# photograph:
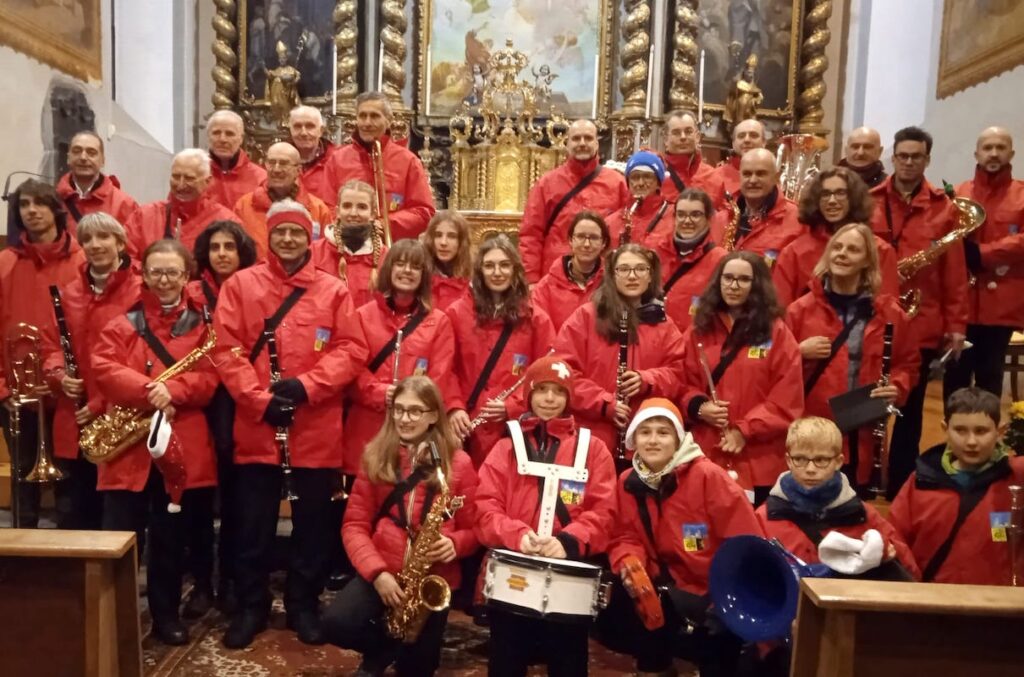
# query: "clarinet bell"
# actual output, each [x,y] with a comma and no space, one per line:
[287,491]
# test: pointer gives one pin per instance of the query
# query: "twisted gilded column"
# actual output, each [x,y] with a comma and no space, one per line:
[392,36]
[635,53]
[683,93]
[814,64]
[346,32]
[224,45]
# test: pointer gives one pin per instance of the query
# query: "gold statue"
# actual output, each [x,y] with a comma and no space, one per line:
[745,96]
[282,86]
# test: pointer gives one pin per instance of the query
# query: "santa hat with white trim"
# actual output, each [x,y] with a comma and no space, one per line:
[652,408]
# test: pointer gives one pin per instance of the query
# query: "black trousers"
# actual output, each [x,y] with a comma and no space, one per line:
[23,457]
[340,563]
[355,620]
[258,499]
[198,508]
[79,504]
[983,364]
[516,641]
[220,415]
[905,445]
[165,558]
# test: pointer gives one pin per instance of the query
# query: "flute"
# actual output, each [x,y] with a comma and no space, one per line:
[398,357]
[501,397]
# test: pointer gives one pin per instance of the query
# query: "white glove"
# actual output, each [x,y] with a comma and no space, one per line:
[851,555]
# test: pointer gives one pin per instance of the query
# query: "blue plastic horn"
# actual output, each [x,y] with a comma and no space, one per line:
[755,584]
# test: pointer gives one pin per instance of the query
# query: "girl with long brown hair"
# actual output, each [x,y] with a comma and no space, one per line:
[447,242]
[572,279]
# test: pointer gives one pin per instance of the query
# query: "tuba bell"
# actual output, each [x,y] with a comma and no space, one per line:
[798,160]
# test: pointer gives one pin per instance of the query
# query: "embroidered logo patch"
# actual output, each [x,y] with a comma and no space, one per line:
[694,302]
[1014,228]
[518,362]
[694,537]
[759,352]
[395,201]
[323,335]
[571,492]
[770,255]
[998,523]
[421,366]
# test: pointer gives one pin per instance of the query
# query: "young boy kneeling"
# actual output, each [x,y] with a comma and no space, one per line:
[954,510]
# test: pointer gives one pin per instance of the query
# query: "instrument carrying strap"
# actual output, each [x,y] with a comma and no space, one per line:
[396,498]
[645,520]
[389,347]
[492,361]
[270,324]
[727,358]
[687,266]
[657,217]
[70,203]
[839,342]
[211,298]
[583,183]
[138,321]
[969,500]
[676,181]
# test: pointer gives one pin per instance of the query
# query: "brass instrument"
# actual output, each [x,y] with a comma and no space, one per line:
[398,355]
[729,235]
[501,397]
[377,159]
[877,488]
[424,593]
[798,160]
[621,462]
[281,433]
[627,229]
[106,437]
[706,367]
[970,217]
[1015,535]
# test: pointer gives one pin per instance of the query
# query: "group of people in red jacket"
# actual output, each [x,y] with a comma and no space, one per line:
[364,382]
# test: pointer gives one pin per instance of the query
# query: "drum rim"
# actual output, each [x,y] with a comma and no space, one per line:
[575,569]
[557,617]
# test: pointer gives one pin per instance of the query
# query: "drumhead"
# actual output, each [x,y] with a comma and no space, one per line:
[563,566]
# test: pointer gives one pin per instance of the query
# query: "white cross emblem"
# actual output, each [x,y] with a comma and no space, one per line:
[562,369]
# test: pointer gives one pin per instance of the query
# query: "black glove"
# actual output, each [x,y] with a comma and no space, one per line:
[972,252]
[290,388]
[279,412]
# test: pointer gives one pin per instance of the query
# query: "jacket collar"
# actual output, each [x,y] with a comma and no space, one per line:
[581,169]
[685,166]
[303,277]
[43,253]
[987,182]
[931,475]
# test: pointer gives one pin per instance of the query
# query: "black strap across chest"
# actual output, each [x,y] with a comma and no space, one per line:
[837,344]
[968,502]
[576,190]
[389,347]
[396,499]
[271,323]
[657,217]
[187,322]
[676,181]
[492,361]
[687,266]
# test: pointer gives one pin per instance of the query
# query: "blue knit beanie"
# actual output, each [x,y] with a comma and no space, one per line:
[645,159]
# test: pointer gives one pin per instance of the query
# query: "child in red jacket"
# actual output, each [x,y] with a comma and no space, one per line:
[954,510]
[509,517]
[675,508]
[399,483]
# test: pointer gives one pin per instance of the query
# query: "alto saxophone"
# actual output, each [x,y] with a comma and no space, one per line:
[627,230]
[424,593]
[729,235]
[877,488]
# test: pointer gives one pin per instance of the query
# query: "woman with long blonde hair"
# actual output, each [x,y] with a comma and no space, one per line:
[447,242]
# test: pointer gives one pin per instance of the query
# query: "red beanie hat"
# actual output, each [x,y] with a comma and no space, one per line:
[295,216]
[548,369]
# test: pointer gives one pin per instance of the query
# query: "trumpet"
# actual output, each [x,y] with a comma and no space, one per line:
[377,158]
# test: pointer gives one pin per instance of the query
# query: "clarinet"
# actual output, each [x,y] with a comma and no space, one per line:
[620,448]
[281,435]
[70,363]
[877,487]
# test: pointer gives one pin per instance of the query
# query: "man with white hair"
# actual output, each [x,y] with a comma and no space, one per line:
[232,173]
[746,136]
[185,213]
[306,126]
[85,188]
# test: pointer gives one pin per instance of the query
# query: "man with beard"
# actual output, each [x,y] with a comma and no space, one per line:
[746,136]
[306,126]
[684,166]
[232,173]
[864,155]
[581,183]
[85,189]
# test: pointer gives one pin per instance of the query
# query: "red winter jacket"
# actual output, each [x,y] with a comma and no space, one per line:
[158,220]
[605,194]
[318,342]
[448,290]
[813,315]
[558,296]
[847,514]
[358,267]
[85,313]
[693,172]
[378,544]
[728,173]
[658,357]
[26,272]
[529,341]
[926,508]
[699,501]
[794,268]
[769,236]
[228,185]
[681,298]
[123,365]
[765,394]
[997,298]
[428,351]
[508,504]
[251,212]
[410,201]
[653,217]
[913,228]
[204,292]
[106,196]
[315,178]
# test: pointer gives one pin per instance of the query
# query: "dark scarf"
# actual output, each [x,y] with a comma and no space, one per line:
[685,247]
[873,174]
[814,500]
[354,237]
[744,227]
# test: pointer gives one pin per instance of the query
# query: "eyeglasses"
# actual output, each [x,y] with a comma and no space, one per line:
[730,280]
[630,271]
[587,239]
[692,217]
[409,265]
[908,158]
[414,413]
[172,274]
[504,267]
[840,194]
[818,461]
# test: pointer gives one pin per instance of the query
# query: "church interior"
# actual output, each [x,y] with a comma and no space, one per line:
[484,104]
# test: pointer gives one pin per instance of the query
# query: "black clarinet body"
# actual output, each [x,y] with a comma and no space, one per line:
[621,461]
[70,363]
[877,487]
[281,434]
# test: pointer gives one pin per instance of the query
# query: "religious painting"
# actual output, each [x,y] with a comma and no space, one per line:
[567,43]
[980,39]
[750,42]
[285,50]
[64,34]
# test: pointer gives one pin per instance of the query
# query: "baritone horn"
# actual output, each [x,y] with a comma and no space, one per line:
[798,160]
[25,365]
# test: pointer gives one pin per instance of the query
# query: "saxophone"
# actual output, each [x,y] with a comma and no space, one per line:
[627,230]
[729,235]
[115,431]
[424,593]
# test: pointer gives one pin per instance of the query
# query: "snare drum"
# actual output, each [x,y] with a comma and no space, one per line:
[540,587]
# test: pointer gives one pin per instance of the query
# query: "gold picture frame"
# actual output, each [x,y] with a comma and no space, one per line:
[603,36]
[66,37]
[994,43]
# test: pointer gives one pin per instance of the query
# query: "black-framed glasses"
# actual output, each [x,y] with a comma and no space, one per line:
[730,280]
[414,413]
[907,158]
[820,462]
[692,217]
[640,270]
[172,274]
[587,239]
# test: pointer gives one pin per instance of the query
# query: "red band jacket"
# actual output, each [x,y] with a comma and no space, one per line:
[728,173]
[652,218]
[682,297]
[157,220]
[448,290]
[358,267]
[123,365]
[252,209]
[106,196]
[228,185]
[319,342]
[315,176]
[694,173]
[558,296]
[769,235]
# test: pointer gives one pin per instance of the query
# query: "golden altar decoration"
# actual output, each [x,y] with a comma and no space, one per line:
[497,156]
